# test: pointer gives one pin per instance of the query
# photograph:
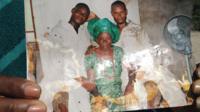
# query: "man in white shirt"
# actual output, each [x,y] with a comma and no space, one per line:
[62,53]
[132,39]
[135,42]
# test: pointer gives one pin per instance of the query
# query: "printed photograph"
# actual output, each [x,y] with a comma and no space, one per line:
[110,55]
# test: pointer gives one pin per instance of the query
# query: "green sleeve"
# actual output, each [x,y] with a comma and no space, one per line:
[89,61]
[119,52]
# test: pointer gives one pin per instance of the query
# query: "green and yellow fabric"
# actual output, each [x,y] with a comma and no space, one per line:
[107,72]
[96,26]
[107,76]
[12,38]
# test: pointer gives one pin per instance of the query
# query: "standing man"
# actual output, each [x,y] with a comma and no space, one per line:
[131,33]
[62,53]
[133,40]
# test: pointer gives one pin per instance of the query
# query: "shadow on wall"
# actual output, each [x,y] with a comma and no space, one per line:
[196,16]
[196,31]
[155,13]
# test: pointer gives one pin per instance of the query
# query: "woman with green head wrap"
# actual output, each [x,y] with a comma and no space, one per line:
[104,65]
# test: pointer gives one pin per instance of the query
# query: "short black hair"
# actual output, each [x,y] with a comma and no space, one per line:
[118,3]
[82,5]
[197,65]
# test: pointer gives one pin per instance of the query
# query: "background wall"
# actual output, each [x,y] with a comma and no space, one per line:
[196,30]
[154,14]
[196,46]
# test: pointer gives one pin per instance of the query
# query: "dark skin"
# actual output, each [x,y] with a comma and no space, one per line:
[131,78]
[16,97]
[104,51]
[119,14]
[63,108]
[79,16]
[196,72]
[19,95]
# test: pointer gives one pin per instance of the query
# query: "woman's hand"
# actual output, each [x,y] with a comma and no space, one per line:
[88,85]
[19,95]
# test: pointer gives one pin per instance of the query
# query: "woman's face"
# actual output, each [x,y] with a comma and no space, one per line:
[104,40]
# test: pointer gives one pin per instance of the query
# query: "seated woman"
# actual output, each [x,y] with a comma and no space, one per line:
[104,66]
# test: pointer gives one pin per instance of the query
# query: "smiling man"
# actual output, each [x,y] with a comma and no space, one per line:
[133,40]
[132,37]
[62,53]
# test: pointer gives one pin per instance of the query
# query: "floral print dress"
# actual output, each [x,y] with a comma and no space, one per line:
[107,77]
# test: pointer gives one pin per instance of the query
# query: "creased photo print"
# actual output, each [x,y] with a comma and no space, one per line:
[108,55]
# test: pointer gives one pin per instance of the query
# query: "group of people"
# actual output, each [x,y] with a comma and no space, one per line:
[92,74]
[83,76]
[71,51]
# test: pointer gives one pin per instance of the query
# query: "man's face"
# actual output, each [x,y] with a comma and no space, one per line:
[119,14]
[80,15]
